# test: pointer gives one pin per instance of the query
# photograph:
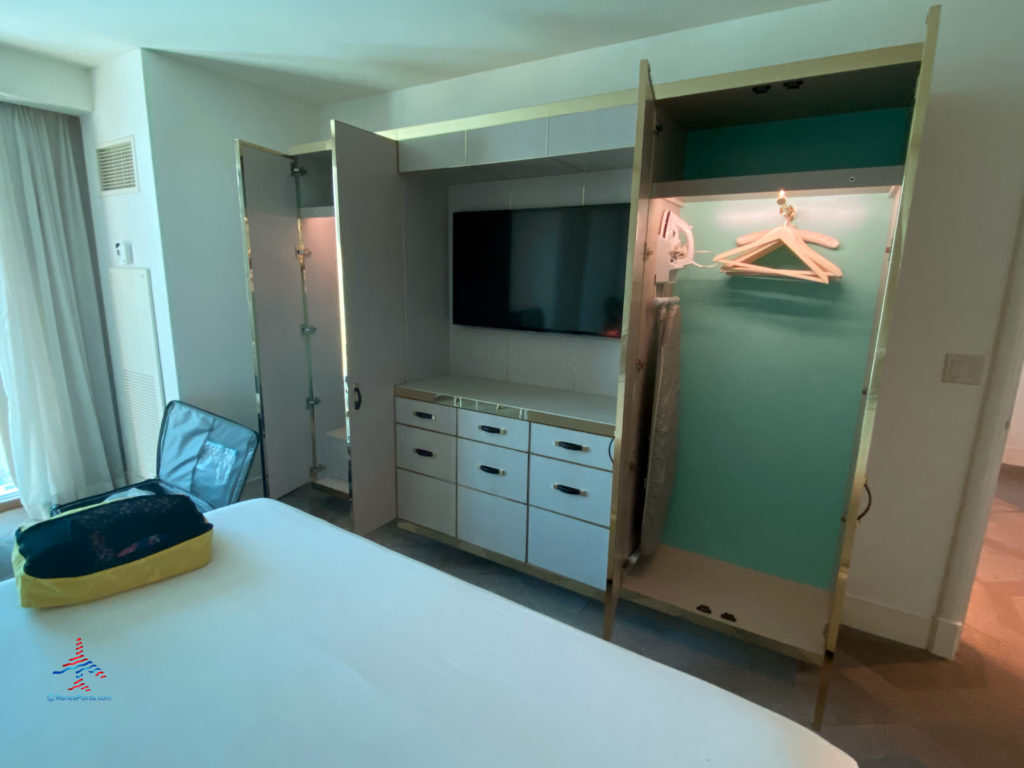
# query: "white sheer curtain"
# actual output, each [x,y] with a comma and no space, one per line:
[53,368]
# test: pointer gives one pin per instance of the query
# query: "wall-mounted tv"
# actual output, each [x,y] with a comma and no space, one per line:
[541,269]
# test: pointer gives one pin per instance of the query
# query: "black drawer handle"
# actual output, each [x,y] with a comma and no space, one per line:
[491,430]
[423,414]
[569,490]
[423,452]
[570,446]
[491,470]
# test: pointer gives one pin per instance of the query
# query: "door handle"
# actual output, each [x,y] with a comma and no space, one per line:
[569,490]
[357,401]
[491,430]
[423,452]
[569,446]
[423,415]
[491,470]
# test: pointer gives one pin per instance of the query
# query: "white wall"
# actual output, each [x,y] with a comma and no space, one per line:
[120,112]
[194,116]
[840,26]
[579,363]
[41,81]
[956,256]
[1013,453]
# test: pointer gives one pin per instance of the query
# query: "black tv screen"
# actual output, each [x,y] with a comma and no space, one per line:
[541,269]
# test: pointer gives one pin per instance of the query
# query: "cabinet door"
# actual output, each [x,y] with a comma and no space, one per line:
[368,199]
[869,400]
[570,547]
[637,364]
[492,523]
[271,213]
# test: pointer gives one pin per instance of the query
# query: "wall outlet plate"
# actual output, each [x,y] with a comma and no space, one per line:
[123,253]
[962,368]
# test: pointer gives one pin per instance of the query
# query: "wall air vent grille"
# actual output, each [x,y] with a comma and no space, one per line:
[142,398]
[117,167]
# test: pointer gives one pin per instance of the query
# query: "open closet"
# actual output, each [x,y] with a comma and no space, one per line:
[750,430]
[332,320]
[292,267]
[696,441]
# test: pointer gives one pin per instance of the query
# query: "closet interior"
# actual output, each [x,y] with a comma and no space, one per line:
[700,447]
[292,269]
[782,209]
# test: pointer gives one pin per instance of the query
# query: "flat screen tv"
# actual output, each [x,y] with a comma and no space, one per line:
[541,269]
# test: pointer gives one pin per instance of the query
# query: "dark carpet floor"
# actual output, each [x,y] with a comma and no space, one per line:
[890,706]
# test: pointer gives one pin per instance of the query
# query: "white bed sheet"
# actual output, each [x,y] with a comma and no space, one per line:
[301,644]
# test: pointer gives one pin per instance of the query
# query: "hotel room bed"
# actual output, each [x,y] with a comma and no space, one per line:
[301,644]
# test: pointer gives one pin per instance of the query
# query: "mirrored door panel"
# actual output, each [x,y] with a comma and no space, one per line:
[282,383]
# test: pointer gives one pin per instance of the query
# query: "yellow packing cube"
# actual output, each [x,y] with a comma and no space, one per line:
[100,551]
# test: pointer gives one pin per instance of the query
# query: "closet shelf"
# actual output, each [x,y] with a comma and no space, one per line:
[783,615]
[316,211]
[808,182]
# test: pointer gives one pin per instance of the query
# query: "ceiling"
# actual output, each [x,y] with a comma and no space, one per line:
[330,50]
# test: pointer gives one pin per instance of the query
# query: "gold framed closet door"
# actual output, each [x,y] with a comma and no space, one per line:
[869,401]
[637,356]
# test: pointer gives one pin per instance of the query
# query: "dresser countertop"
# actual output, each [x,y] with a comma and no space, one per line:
[540,404]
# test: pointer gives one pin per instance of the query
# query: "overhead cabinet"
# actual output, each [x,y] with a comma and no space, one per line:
[597,139]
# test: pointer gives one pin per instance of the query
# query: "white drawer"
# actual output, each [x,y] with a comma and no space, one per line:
[492,523]
[500,471]
[439,418]
[582,492]
[570,445]
[426,501]
[428,453]
[570,547]
[498,430]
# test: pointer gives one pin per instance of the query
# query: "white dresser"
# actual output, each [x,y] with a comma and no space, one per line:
[519,471]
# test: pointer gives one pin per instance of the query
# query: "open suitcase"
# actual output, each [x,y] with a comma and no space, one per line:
[201,455]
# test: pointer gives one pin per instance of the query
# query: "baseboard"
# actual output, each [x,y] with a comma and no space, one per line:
[946,638]
[884,621]
[1014,456]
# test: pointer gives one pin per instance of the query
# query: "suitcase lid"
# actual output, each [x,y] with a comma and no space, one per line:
[204,455]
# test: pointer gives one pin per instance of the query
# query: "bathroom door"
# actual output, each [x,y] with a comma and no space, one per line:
[368,200]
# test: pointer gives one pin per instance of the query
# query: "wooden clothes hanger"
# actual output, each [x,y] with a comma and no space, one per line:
[751,247]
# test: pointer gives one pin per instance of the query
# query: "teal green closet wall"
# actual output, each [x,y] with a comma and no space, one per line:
[849,140]
[771,377]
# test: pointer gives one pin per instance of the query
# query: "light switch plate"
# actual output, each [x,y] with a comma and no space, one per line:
[123,253]
[963,369]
